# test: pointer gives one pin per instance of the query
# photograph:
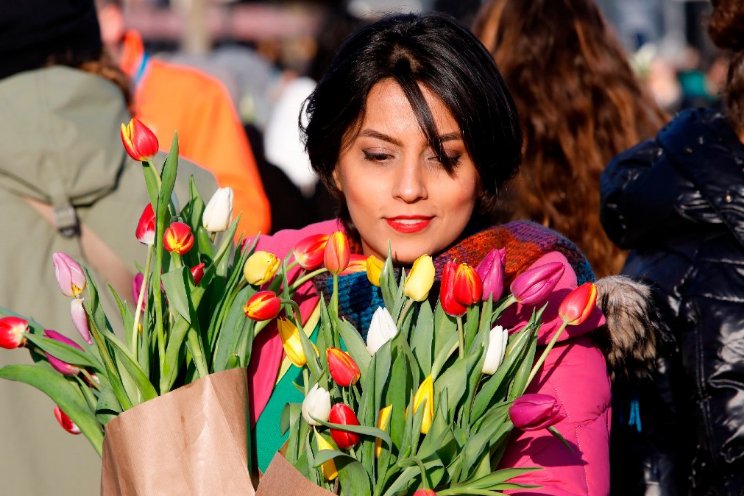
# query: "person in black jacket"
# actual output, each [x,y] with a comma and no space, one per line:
[678,203]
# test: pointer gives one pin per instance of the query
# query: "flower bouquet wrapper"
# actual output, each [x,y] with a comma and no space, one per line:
[282,478]
[191,441]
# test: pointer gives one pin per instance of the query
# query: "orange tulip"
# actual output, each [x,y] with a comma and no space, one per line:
[337,253]
[578,304]
[139,141]
[357,263]
[309,252]
[264,305]
[178,238]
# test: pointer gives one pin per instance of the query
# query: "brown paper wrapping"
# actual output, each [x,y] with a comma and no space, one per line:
[191,441]
[282,479]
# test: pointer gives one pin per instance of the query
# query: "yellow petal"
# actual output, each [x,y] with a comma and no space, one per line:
[420,279]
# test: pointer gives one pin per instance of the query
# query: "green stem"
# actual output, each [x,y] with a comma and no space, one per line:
[140,300]
[404,311]
[158,181]
[197,353]
[545,352]
[302,280]
[306,380]
[334,298]
[116,385]
[461,338]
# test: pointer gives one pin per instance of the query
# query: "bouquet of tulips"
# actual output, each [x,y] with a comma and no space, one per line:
[429,399]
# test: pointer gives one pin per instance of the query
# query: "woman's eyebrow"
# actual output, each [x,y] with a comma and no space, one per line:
[371,133]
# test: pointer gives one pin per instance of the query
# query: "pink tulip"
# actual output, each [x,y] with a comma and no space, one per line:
[532,412]
[425,492]
[137,282]
[65,421]
[80,319]
[534,286]
[491,272]
[69,274]
[60,366]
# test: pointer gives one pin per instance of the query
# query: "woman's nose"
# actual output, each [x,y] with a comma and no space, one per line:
[410,181]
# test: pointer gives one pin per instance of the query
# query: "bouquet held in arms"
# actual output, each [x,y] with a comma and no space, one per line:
[426,402]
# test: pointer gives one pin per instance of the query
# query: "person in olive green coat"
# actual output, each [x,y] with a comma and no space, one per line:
[59,150]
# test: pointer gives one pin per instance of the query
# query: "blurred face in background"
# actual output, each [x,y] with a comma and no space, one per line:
[394,186]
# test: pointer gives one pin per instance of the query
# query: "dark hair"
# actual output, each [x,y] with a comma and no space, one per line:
[448,60]
[726,31]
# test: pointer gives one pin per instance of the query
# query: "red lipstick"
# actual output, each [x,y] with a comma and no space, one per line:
[408,224]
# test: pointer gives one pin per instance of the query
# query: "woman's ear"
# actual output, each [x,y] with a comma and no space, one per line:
[337,179]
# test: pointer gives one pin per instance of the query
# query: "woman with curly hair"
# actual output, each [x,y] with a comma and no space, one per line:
[579,105]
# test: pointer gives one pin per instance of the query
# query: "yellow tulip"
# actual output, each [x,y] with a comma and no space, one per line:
[425,395]
[383,419]
[291,342]
[374,269]
[260,267]
[328,468]
[420,279]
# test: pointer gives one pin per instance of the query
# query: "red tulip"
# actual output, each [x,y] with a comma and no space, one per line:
[532,412]
[145,231]
[468,287]
[60,366]
[533,286]
[264,305]
[139,141]
[337,253]
[178,238]
[425,492]
[342,367]
[65,421]
[447,291]
[197,272]
[310,251]
[578,304]
[491,272]
[12,332]
[342,414]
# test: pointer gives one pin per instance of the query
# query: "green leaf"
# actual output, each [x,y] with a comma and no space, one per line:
[355,344]
[364,430]
[228,336]
[422,337]
[176,291]
[65,352]
[63,392]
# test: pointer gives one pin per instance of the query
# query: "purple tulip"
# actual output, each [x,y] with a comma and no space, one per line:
[533,286]
[491,272]
[532,412]
[69,274]
[60,366]
[80,319]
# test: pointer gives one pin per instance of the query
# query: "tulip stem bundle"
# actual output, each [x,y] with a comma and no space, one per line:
[140,300]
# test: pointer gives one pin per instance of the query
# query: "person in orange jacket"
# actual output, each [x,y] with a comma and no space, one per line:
[172,98]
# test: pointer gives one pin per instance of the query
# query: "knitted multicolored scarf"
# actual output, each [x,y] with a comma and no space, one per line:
[524,241]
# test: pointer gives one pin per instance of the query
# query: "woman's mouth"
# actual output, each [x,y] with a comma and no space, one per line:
[408,224]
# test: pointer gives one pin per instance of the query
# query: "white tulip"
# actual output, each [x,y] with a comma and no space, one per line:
[497,340]
[381,330]
[316,405]
[218,211]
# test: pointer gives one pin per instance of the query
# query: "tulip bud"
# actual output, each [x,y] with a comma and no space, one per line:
[137,282]
[290,336]
[337,253]
[12,332]
[139,141]
[310,251]
[424,492]
[145,231]
[577,306]
[65,421]
[69,274]
[533,286]
[80,319]
[342,414]
[497,339]
[383,420]
[342,367]
[357,263]
[491,272]
[425,395]
[450,305]
[420,279]
[316,405]
[218,212]
[532,412]
[374,269]
[178,238]
[60,366]
[197,272]
[264,305]
[382,329]
[260,268]
[468,288]
[328,468]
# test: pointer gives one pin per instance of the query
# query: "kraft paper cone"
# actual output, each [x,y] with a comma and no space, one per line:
[281,478]
[191,441]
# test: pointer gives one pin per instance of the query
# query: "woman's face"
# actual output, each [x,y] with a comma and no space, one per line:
[395,188]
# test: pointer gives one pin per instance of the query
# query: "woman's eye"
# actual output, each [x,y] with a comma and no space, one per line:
[376,156]
[453,158]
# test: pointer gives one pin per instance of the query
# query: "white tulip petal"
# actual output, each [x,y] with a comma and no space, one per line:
[381,330]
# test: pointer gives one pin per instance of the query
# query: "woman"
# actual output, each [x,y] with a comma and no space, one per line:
[676,201]
[414,130]
[579,105]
